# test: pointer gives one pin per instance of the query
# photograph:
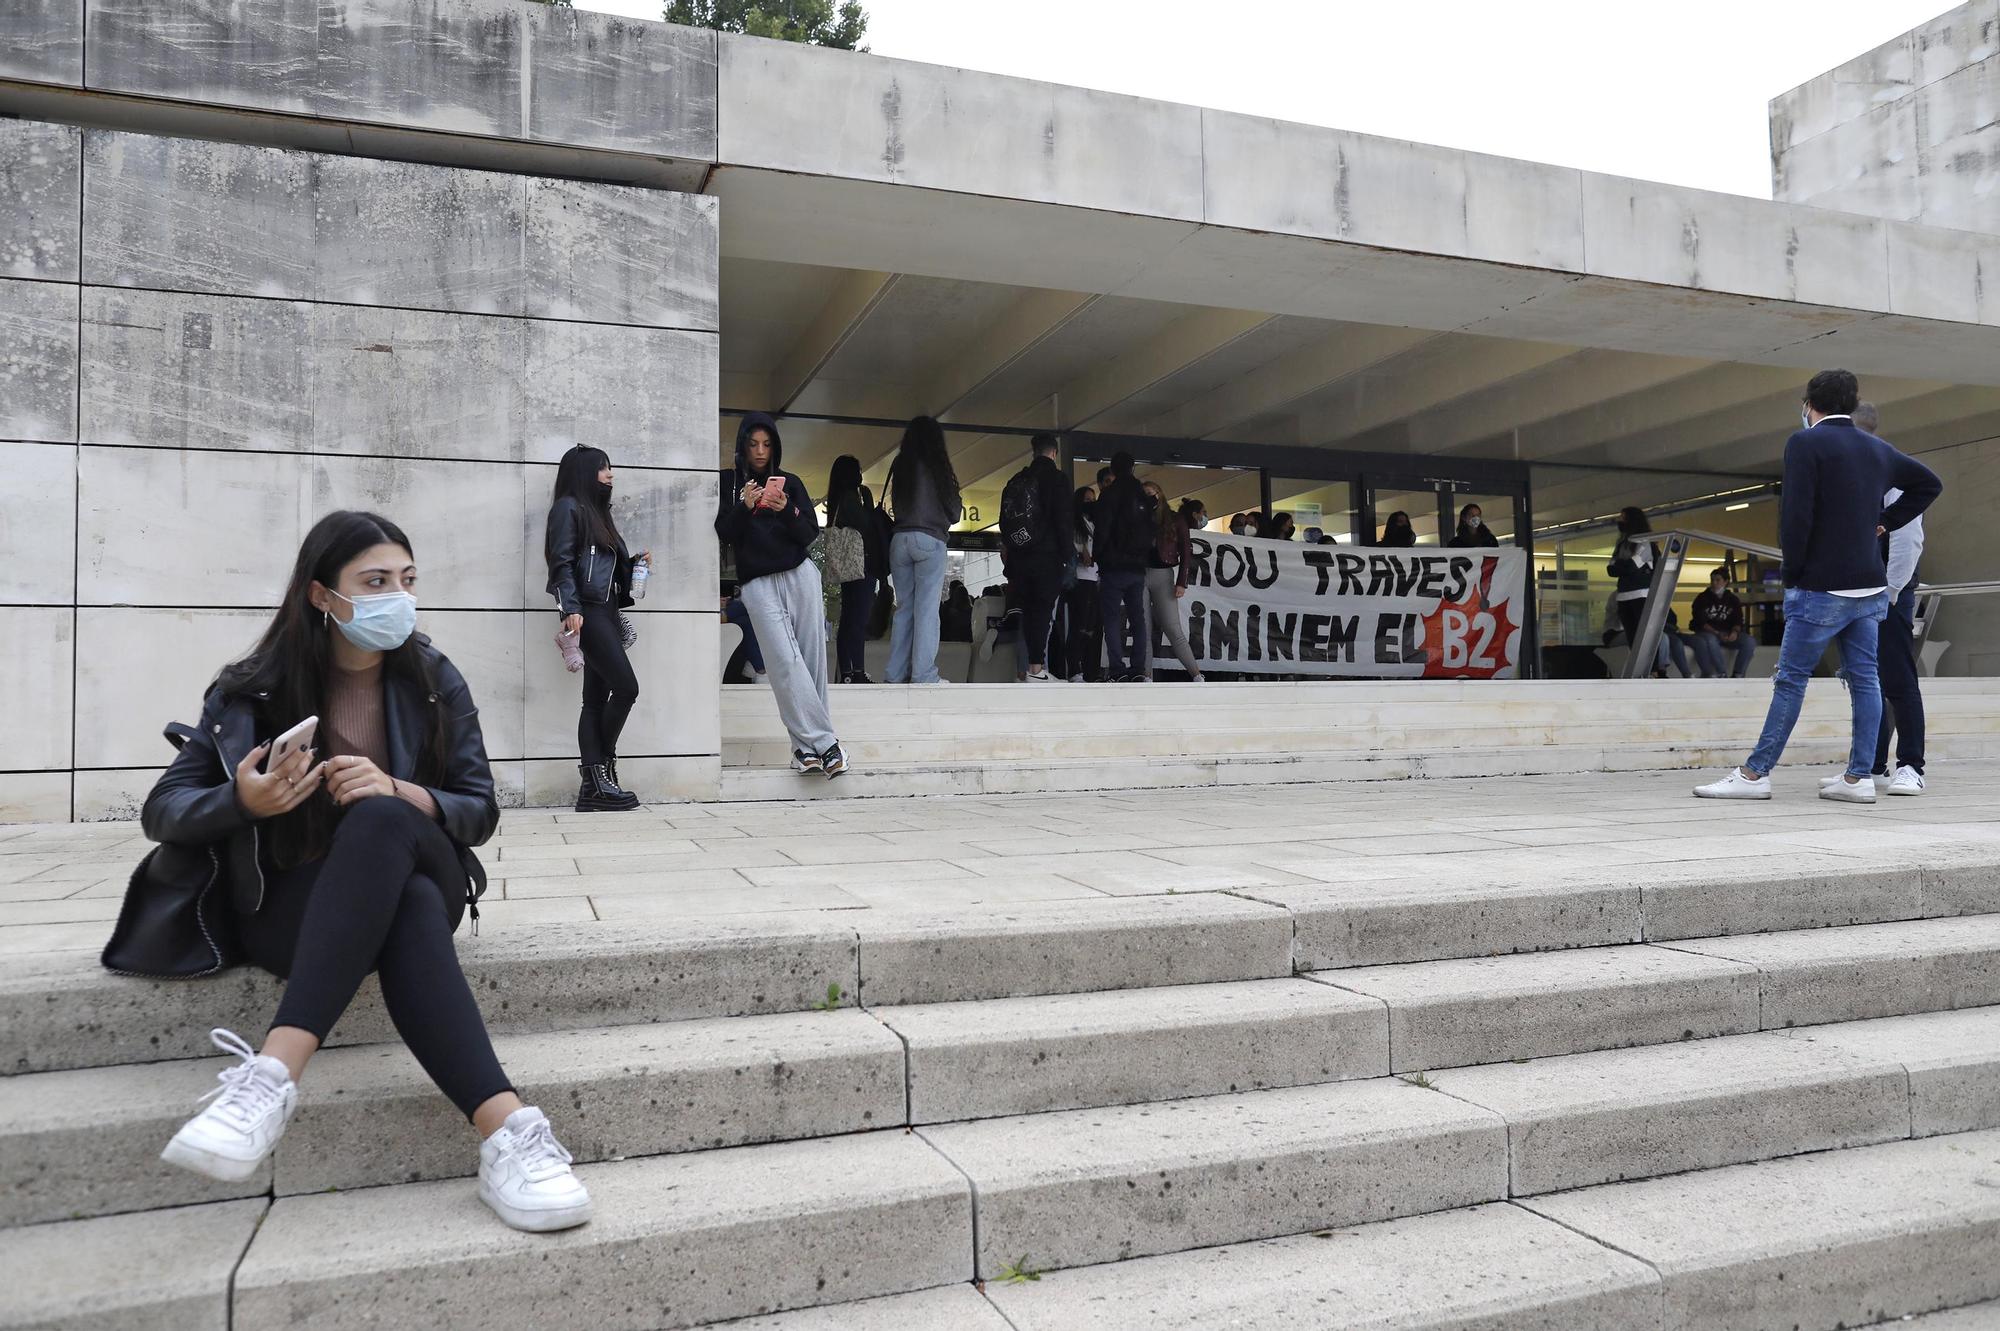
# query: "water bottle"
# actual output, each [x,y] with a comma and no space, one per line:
[640,572]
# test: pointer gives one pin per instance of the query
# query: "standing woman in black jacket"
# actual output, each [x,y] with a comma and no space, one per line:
[1632,564]
[766,517]
[850,506]
[360,861]
[590,575]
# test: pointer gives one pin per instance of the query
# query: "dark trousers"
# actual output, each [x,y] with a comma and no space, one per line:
[1086,629]
[857,598]
[1629,614]
[609,686]
[739,615]
[384,899]
[1036,590]
[1123,592]
[1902,699]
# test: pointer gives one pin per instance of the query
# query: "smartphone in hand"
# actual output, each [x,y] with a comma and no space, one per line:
[774,493]
[298,737]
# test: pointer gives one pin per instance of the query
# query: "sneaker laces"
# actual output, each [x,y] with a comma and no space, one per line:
[246,1093]
[540,1154]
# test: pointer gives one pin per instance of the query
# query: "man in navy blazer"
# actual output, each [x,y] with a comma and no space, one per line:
[1830,524]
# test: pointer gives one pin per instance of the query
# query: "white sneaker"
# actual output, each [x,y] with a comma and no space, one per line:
[1042,678]
[1907,781]
[1735,786]
[759,676]
[524,1175]
[1881,782]
[230,1138]
[1844,791]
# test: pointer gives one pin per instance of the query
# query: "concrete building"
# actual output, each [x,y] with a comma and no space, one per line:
[263,258]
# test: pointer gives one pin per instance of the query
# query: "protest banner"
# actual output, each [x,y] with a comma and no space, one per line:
[1282,608]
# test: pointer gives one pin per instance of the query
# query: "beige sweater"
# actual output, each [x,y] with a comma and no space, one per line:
[353,725]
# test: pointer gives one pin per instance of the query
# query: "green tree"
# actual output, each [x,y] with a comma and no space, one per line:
[837,23]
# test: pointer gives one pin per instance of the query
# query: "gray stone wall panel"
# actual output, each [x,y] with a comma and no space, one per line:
[607,82]
[260,54]
[393,233]
[38,524]
[452,65]
[166,527]
[169,370]
[612,254]
[671,513]
[468,555]
[185,215]
[36,660]
[41,41]
[39,168]
[409,383]
[644,394]
[38,358]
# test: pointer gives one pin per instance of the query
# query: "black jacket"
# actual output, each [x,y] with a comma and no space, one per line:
[1125,531]
[1053,548]
[1463,539]
[765,541]
[581,572]
[194,801]
[1632,575]
[858,512]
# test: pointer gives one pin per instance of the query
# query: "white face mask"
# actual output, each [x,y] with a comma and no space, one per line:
[1805,419]
[379,623]
[1472,523]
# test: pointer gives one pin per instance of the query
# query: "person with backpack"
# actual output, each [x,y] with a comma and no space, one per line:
[857,558]
[924,501]
[1166,582]
[1125,542]
[1035,521]
[1081,603]
[329,803]
[766,520]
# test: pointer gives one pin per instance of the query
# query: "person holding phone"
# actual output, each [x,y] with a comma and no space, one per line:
[591,575]
[766,518]
[351,855]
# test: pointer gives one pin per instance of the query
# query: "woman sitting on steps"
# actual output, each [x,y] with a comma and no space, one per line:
[359,862]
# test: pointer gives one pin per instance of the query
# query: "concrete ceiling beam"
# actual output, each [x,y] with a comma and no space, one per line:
[1440,370]
[1030,321]
[1574,383]
[856,296]
[1311,369]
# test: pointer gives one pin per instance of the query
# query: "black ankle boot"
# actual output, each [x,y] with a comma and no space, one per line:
[599,793]
[611,769]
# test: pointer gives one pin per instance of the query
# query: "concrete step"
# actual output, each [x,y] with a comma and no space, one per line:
[62,1010]
[87,1142]
[1834,1240]
[676,1241]
[1194,768]
[1070,1051]
[1486,1009]
[159,1269]
[1100,1185]
[960,1307]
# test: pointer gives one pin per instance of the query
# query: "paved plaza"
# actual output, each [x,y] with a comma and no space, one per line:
[60,885]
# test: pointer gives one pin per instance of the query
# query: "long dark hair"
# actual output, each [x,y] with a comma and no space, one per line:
[922,454]
[1632,523]
[1080,512]
[576,478]
[843,484]
[285,674]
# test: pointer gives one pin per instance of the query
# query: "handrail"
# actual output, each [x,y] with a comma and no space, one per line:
[1956,588]
[1726,542]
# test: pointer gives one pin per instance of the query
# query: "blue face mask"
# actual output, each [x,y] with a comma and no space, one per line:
[380,623]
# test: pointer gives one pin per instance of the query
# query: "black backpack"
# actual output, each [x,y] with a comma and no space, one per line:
[1122,525]
[1024,524]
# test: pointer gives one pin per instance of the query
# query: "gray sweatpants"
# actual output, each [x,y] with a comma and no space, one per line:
[1166,613]
[790,621]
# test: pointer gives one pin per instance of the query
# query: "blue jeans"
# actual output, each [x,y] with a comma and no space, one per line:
[1710,649]
[1123,594]
[916,565]
[1812,620]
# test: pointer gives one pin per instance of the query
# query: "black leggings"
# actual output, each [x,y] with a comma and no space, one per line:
[609,686]
[1629,615]
[385,899]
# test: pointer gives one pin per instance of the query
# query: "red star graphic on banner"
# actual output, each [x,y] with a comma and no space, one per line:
[1469,639]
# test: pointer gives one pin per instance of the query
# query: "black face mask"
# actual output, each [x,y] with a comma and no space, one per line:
[603,492]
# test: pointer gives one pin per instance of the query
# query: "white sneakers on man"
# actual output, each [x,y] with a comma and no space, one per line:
[1735,786]
[524,1175]
[230,1138]
[1844,791]
[1907,781]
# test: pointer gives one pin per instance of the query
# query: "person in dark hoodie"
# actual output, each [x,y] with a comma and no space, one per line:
[1126,533]
[1397,533]
[767,518]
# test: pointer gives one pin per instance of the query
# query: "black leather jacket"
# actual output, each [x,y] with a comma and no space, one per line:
[194,801]
[581,572]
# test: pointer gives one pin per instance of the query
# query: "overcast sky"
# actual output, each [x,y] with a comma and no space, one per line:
[1663,91]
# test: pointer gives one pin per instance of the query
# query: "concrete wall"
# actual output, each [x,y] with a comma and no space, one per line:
[1911,130]
[204,346]
[1958,547]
